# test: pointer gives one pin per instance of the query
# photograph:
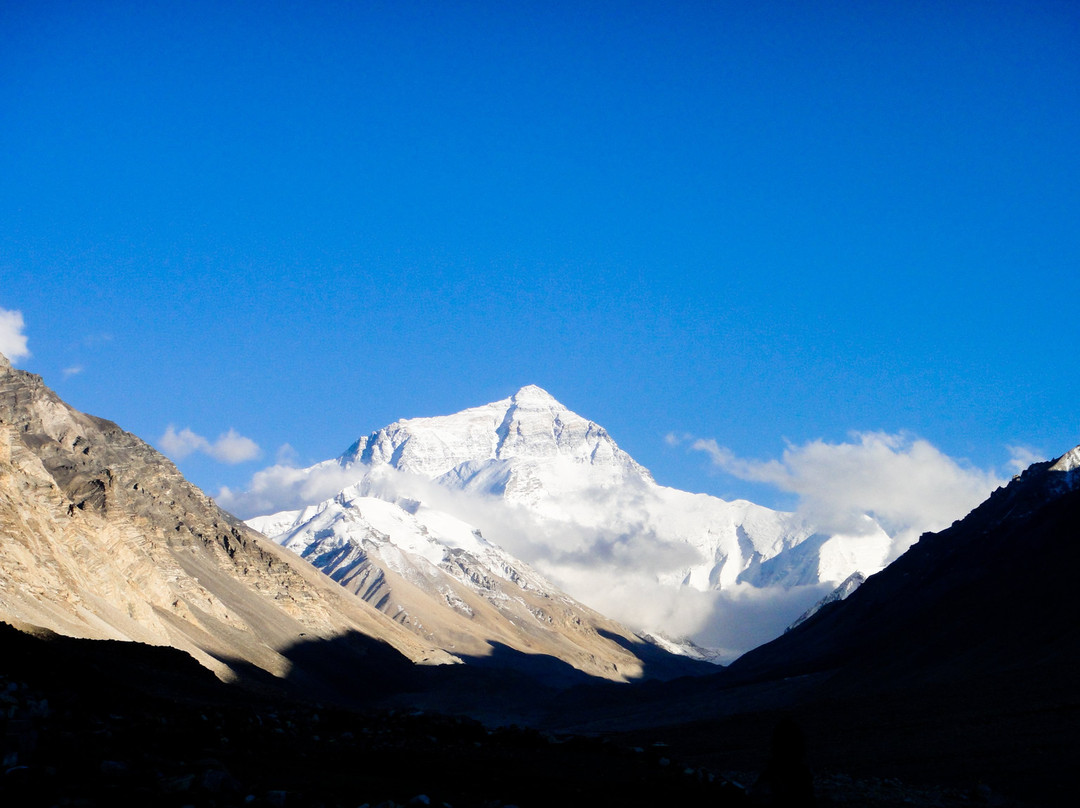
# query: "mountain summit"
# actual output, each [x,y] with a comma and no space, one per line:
[529,425]
[551,492]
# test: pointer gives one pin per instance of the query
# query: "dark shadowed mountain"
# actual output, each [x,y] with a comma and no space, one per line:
[991,593]
[956,664]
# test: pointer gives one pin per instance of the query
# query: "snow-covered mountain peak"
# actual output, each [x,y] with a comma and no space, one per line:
[553,488]
[532,396]
[1070,461]
[529,427]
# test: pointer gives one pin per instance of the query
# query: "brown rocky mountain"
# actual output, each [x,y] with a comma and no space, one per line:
[102,537]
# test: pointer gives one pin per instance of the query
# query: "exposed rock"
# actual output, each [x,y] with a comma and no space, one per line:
[102,537]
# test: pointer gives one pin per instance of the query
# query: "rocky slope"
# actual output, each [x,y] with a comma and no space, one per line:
[442,579]
[101,537]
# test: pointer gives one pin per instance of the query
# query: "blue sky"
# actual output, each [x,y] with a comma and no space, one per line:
[763,225]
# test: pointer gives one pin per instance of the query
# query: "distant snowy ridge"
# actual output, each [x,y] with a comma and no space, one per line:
[1068,462]
[847,586]
[532,451]
[411,539]
[526,478]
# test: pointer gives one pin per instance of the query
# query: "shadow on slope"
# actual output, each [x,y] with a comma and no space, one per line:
[357,672]
[504,686]
[95,722]
[956,664]
[658,664]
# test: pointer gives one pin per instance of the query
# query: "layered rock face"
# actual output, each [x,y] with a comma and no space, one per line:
[102,537]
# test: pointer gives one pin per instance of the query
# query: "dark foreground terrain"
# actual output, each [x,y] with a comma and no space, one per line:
[91,723]
[87,723]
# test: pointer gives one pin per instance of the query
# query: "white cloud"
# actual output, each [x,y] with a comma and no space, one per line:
[677,439]
[744,616]
[230,447]
[180,444]
[282,487]
[614,571]
[617,567]
[12,338]
[906,484]
[74,370]
[1020,457]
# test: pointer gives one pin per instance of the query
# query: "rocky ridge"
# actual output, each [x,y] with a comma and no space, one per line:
[102,537]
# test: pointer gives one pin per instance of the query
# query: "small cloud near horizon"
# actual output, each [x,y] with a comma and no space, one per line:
[74,370]
[231,447]
[677,439]
[12,339]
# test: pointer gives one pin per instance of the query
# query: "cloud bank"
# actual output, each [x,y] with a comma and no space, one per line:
[230,447]
[617,566]
[12,338]
[906,484]
[612,570]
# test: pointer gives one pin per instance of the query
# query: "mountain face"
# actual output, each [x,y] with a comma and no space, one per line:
[437,576]
[974,598]
[526,478]
[530,426]
[102,538]
[847,586]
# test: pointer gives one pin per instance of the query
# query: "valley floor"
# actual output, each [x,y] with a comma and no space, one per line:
[90,723]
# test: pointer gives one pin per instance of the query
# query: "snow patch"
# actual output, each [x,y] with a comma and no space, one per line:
[1070,461]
